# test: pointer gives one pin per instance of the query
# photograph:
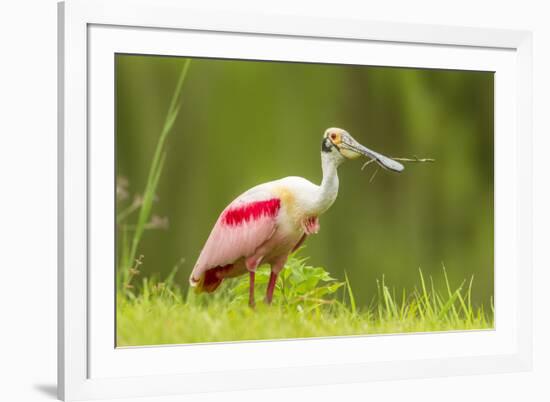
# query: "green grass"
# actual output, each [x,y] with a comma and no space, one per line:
[308,302]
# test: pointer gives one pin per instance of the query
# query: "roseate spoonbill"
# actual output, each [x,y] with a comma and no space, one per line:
[269,221]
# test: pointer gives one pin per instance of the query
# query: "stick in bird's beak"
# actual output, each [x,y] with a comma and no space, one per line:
[387,163]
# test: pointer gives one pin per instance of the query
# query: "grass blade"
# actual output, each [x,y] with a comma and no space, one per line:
[157,164]
[425,297]
[351,297]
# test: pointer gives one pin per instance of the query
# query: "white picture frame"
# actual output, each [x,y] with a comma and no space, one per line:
[90,367]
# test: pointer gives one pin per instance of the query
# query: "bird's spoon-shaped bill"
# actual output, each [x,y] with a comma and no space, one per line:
[384,161]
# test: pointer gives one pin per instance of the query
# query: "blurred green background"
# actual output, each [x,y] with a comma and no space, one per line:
[242,123]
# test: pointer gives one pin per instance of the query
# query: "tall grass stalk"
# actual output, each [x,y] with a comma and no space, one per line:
[155,171]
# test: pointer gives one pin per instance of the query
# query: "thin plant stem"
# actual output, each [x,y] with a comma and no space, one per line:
[157,164]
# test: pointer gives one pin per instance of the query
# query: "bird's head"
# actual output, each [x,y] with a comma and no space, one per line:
[341,146]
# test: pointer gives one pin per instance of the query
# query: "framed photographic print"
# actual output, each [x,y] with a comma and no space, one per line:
[255,201]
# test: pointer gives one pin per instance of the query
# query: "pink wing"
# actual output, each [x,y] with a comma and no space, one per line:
[242,227]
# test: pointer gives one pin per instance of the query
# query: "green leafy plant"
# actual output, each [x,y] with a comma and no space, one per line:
[300,287]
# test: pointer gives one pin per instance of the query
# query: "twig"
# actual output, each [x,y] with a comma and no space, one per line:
[133,271]
[374,174]
[414,159]
[367,163]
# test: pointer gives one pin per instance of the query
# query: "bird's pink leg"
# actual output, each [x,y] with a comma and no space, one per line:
[276,267]
[271,287]
[251,264]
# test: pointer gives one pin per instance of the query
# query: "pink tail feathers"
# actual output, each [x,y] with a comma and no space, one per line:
[210,280]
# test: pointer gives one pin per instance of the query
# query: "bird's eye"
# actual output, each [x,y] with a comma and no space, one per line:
[333,136]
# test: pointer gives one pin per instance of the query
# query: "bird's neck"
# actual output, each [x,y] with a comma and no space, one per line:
[328,190]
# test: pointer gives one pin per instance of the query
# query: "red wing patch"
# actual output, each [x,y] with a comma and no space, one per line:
[251,212]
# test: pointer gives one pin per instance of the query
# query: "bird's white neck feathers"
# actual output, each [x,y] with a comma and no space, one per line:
[328,190]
